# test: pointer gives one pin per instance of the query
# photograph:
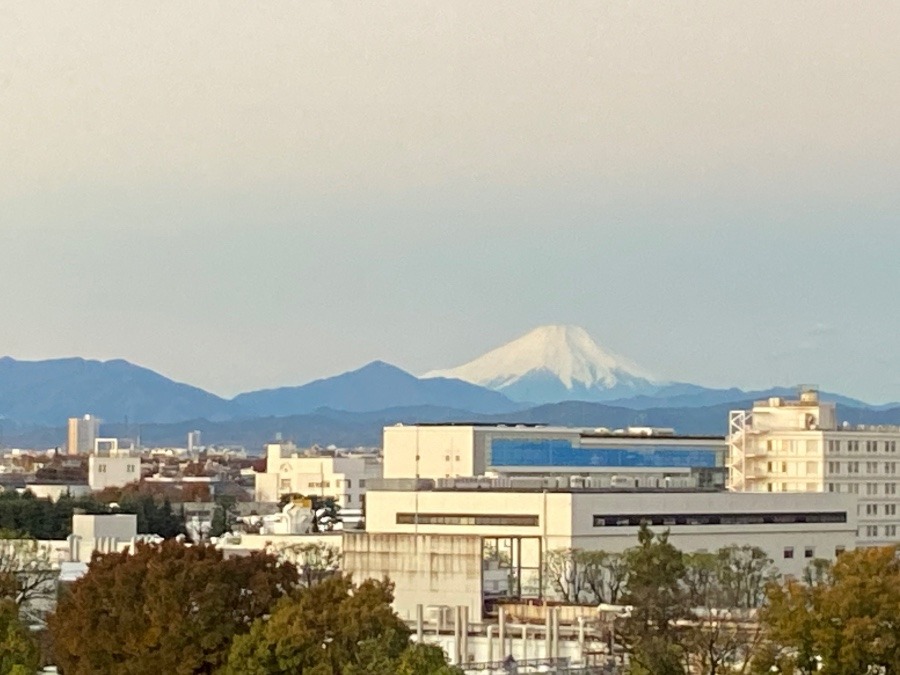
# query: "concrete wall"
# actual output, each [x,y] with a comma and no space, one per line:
[566,519]
[342,478]
[105,471]
[120,526]
[431,570]
[552,509]
[443,451]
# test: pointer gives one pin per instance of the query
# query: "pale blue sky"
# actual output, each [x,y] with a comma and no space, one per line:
[251,194]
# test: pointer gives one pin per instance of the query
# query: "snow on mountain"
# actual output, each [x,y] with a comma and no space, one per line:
[555,363]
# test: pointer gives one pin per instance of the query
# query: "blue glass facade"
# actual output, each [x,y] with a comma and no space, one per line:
[560,453]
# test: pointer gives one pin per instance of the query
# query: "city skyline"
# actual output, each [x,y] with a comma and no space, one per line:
[282,193]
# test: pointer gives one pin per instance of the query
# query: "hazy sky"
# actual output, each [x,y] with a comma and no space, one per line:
[244,194]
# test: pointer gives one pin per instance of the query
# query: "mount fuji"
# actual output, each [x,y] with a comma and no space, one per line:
[556,363]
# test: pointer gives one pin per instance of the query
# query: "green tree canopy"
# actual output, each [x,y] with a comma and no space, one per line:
[19,653]
[166,608]
[334,628]
[839,621]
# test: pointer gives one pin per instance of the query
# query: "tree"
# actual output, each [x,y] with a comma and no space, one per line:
[19,653]
[724,589]
[657,594]
[150,503]
[165,608]
[42,518]
[842,621]
[577,575]
[334,628]
[743,574]
[314,561]
[27,574]
[563,572]
[603,575]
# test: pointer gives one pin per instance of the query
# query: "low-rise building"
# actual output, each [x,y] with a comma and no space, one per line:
[409,521]
[642,454]
[110,466]
[340,477]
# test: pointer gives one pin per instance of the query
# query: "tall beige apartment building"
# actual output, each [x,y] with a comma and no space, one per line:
[798,446]
[83,431]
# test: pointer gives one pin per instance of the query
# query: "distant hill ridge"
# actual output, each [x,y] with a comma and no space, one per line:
[549,365]
[49,392]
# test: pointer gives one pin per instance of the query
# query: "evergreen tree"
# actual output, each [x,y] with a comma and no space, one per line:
[334,628]
[658,593]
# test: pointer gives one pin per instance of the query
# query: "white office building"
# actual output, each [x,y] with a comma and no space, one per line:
[111,466]
[409,522]
[798,446]
[634,457]
[341,477]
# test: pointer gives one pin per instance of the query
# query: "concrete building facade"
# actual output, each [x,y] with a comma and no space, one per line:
[454,450]
[112,471]
[342,478]
[408,520]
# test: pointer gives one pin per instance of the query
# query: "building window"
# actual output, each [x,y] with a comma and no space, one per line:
[871,489]
[362,482]
[788,552]
[284,485]
[854,488]
[871,467]
[890,530]
[693,519]
[466,519]
[348,483]
[890,488]
[890,509]
[838,551]
[871,509]
[871,530]
[101,468]
[809,552]
[321,484]
[831,487]
[129,468]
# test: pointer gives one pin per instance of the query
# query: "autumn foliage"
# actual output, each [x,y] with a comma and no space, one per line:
[166,608]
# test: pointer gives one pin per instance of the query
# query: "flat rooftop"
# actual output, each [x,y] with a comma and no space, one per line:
[526,485]
[636,433]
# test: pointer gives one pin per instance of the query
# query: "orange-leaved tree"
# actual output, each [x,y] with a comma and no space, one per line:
[166,608]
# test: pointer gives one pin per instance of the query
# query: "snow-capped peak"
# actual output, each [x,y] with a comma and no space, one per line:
[566,354]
